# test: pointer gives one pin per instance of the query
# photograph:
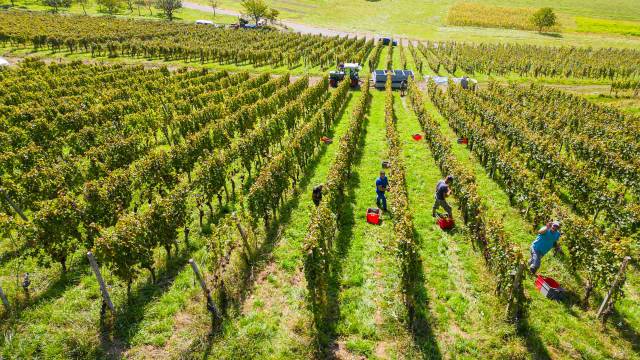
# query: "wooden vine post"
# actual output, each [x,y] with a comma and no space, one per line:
[3,297]
[513,306]
[244,235]
[207,293]
[606,302]
[106,299]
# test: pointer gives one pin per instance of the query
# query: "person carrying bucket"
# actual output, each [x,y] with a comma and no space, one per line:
[547,238]
[382,185]
[442,191]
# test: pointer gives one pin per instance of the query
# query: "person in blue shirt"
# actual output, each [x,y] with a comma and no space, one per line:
[547,238]
[442,191]
[382,185]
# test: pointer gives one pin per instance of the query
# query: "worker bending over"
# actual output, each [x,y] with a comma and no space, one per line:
[547,238]
[382,185]
[464,82]
[316,195]
[442,192]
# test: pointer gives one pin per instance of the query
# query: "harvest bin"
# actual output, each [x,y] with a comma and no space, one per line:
[445,223]
[373,216]
[549,288]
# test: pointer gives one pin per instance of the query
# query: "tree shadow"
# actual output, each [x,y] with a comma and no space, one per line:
[346,221]
[419,324]
[55,290]
[625,330]
[127,321]
[532,339]
[553,35]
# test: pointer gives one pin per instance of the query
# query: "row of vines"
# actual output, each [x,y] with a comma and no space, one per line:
[186,42]
[596,249]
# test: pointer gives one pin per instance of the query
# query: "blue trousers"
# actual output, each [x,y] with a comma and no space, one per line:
[381,199]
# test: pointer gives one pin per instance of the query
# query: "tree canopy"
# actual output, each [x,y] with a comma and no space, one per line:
[168,7]
[255,9]
[543,18]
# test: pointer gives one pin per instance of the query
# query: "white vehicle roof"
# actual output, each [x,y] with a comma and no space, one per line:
[3,62]
[204,22]
[352,66]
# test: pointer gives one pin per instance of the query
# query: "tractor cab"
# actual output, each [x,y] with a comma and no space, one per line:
[345,69]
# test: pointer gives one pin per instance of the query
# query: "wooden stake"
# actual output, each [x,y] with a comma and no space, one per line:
[623,267]
[103,288]
[210,305]
[3,297]
[517,281]
[243,234]
[15,206]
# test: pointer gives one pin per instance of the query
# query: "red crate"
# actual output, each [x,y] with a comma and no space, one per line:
[373,216]
[549,287]
[446,223]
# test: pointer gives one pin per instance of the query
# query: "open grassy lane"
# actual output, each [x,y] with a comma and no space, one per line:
[369,301]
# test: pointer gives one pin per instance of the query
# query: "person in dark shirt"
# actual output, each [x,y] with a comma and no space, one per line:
[442,191]
[382,185]
[317,194]
[464,82]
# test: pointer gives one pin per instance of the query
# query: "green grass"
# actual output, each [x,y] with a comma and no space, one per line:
[367,262]
[427,20]
[591,25]
[467,318]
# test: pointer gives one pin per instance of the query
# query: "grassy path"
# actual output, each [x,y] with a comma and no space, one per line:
[552,329]
[466,316]
[370,305]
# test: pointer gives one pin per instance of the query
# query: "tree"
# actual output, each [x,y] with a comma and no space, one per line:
[111,6]
[83,3]
[57,4]
[168,7]
[543,18]
[214,5]
[255,9]
[272,15]
[148,4]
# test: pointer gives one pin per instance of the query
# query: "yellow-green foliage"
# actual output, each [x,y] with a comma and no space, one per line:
[591,25]
[471,14]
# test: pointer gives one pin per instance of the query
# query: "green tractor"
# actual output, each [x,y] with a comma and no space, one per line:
[345,69]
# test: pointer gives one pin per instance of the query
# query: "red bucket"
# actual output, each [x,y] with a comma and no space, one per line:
[417,137]
[445,223]
[549,287]
[373,216]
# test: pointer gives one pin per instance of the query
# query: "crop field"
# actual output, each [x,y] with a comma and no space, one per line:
[156,187]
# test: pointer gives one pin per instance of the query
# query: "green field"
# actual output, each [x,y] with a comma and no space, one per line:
[427,19]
